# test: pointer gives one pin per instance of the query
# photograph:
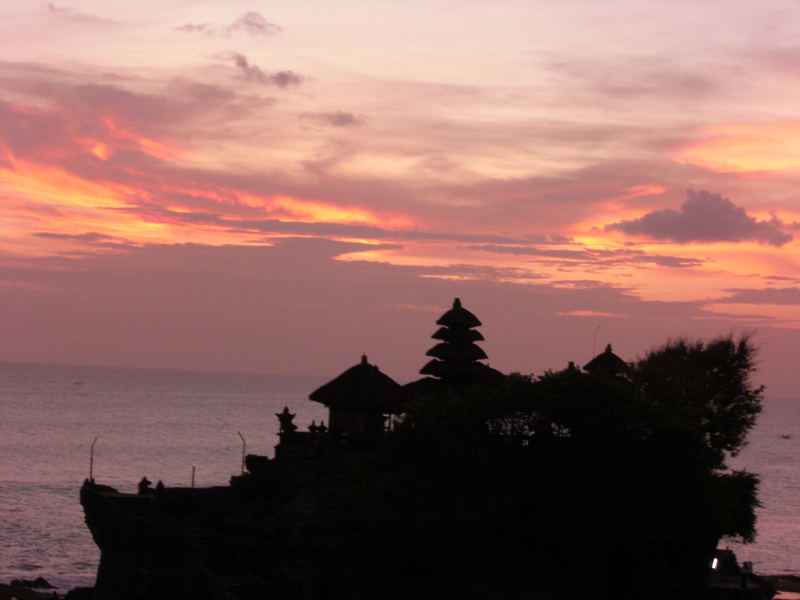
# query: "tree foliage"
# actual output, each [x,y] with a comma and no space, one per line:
[605,470]
[707,385]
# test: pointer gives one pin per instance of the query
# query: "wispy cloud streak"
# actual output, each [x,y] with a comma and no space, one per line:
[250,23]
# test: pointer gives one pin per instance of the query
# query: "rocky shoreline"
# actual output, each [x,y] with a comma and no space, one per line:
[16,591]
[27,590]
[39,589]
[784,583]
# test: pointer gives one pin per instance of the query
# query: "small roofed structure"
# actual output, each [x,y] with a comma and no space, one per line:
[608,363]
[359,400]
[455,357]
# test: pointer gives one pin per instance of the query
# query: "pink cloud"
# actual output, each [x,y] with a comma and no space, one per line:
[251,23]
[251,72]
[597,258]
[630,78]
[70,16]
[705,217]
[336,118]
[779,296]
[72,131]
[254,24]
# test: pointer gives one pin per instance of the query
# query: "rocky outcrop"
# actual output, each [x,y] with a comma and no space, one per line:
[246,542]
[161,546]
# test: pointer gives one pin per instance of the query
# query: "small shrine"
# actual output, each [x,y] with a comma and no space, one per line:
[608,363]
[359,400]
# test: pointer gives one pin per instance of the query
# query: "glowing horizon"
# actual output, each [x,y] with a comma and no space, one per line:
[386,156]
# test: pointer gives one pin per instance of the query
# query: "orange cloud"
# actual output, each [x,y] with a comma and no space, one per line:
[101,151]
[620,206]
[142,143]
[54,186]
[588,313]
[319,212]
[51,199]
[745,147]
[157,208]
[65,172]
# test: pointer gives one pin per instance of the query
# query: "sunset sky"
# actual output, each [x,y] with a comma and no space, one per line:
[280,186]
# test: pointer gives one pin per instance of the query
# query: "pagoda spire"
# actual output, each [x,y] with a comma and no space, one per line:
[456,356]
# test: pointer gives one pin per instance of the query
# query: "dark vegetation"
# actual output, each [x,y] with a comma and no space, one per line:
[566,485]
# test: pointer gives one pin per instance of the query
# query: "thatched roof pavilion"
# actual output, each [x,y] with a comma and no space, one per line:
[358,399]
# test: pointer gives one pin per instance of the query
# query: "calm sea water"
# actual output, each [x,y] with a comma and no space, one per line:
[154,423]
[774,453]
[162,423]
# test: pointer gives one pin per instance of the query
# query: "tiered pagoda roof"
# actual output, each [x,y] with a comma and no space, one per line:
[455,358]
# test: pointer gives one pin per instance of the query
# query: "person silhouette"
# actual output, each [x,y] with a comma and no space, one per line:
[144,486]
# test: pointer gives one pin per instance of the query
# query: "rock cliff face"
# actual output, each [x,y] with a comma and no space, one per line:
[157,547]
[319,529]
[233,544]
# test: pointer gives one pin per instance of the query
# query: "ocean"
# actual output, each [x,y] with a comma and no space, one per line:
[160,424]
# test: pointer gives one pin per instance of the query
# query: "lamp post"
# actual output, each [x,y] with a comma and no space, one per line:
[244,449]
[91,461]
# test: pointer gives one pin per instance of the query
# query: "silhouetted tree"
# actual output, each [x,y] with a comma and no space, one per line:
[610,474]
[706,385]
[572,484]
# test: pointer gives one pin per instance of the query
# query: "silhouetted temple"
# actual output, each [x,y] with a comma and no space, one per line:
[362,399]
[356,509]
